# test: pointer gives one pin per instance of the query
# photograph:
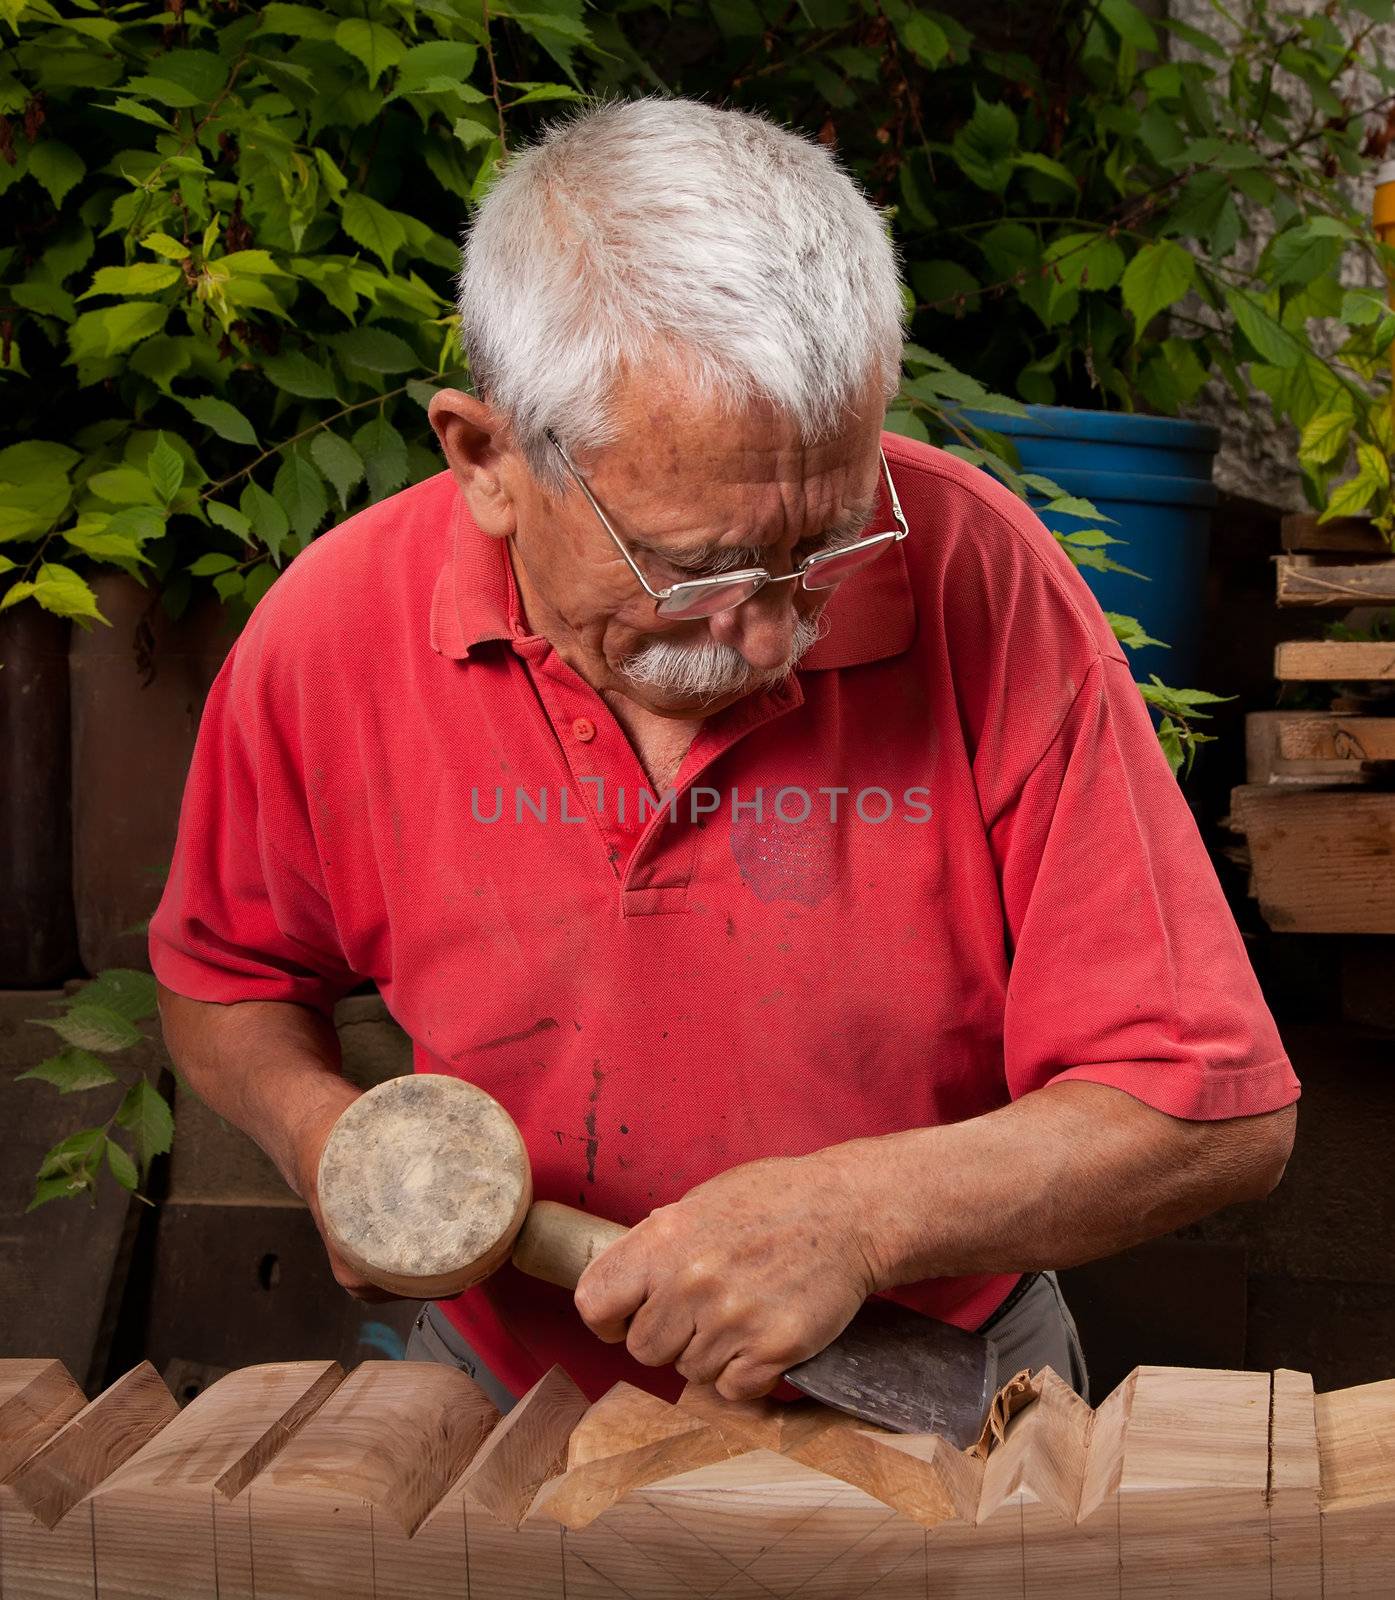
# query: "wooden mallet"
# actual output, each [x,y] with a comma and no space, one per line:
[425,1189]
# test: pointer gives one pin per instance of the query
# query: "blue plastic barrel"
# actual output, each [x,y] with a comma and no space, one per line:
[1152,475]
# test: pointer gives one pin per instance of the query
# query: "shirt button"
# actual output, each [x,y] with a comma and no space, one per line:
[584,729]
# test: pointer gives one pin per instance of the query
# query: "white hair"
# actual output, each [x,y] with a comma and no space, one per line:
[653,229]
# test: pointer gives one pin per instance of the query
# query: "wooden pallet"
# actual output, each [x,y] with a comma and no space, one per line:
[401,1482]
[1322,860]
[1346,535]
[1335,660]
[1309,581]
[1311,748]
[1318,807]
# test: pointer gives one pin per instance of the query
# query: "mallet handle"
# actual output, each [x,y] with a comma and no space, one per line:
[556,1243]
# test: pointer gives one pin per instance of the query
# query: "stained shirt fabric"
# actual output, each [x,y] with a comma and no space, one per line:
[941,866]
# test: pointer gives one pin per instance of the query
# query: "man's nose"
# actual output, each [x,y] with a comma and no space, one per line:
[761,629]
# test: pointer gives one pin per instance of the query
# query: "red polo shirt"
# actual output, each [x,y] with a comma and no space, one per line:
[941,866]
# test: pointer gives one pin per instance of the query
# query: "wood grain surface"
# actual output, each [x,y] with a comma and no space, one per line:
[401,1482]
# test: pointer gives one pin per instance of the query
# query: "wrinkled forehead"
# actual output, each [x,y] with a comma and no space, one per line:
[682,471]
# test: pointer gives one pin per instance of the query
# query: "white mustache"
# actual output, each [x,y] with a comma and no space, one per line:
[710,670]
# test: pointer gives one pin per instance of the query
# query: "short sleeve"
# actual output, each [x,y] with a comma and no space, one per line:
[1127,967]
[245,914]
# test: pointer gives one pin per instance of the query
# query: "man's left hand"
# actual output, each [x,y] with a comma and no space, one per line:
[749,1273]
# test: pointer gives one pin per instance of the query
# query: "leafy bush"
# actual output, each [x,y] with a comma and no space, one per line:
[233,230]
[98,1021]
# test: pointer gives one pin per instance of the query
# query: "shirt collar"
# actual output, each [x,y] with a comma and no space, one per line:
[868,618]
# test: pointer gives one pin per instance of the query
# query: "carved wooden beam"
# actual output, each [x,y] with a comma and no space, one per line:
[401,1482]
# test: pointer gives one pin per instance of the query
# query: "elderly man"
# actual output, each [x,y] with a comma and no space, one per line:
[757,804]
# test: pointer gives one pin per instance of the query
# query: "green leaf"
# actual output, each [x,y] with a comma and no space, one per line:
[71,1072]
[1352,497]
[375,45]
[70,1167]
[297,374]
[1130,631]
[1362,307]
[440,58]
[544,91]
[166,468]
[163,90]
[124,486]
[1207,211]
[300,491]
[925,39]
[72,1155]
[259,580]
[29,509]
[214,561]
[145,277]
[1298,255]
[46,298]
[228,517]
[339,461]
[422,392]
[1374,462]
[1090,261]
[35,458]
[145,1115]
[984,145]
[223,418]
[123,1169]
[1129,23]
[95,1027]
[907,424]
[376,349]
[384,454]
[264,514]
[162,359]
[139,111]
[1270,341]
[130,993]
[470,132]
[114,329]
[60,590]
[57,166]
[374,227]
[1074,505]
[163,245]
[1325,436]
[335,181]
[1157,277]
[939,284]
[64,1187]
[299,22]
[1034,161]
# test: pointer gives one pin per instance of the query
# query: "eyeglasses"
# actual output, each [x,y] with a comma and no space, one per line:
[703,597]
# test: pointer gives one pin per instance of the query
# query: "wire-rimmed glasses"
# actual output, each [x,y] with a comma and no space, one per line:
[704,597]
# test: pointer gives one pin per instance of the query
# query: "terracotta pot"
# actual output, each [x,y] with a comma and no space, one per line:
[38,941]
[137,690]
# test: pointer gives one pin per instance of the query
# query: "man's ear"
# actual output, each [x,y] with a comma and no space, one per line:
[475,442]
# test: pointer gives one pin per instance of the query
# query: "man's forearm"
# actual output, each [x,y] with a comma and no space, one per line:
[270,1068]
[1070,1173]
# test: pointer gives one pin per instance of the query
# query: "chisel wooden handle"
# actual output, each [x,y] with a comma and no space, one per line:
[557,1243]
